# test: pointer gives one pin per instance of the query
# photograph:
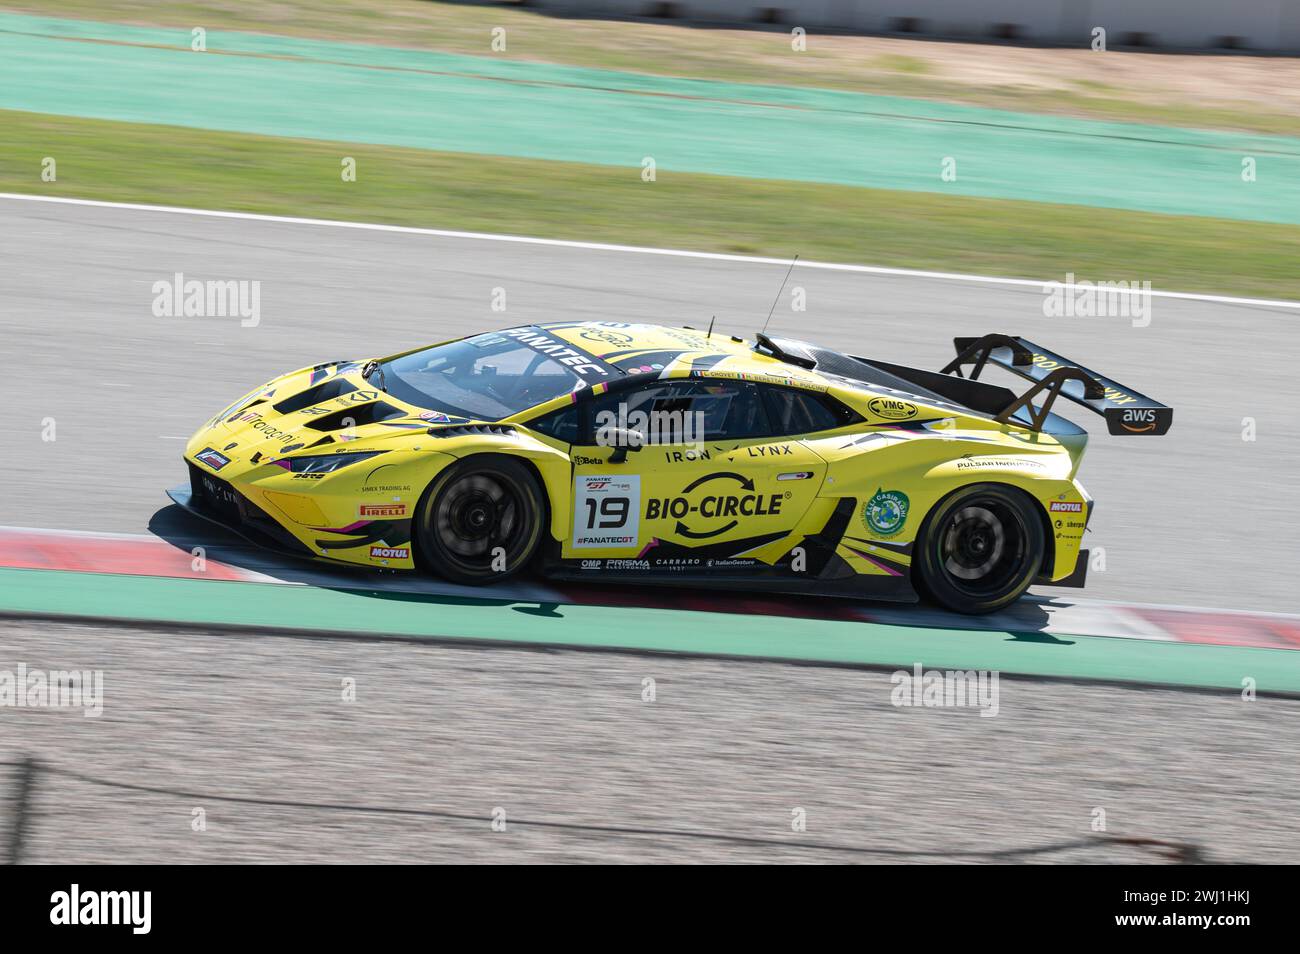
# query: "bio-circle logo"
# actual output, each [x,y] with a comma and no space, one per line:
[886,512]
[615,338]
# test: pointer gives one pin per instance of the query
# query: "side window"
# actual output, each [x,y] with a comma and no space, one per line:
[803,412]
[561,425]
[672,412]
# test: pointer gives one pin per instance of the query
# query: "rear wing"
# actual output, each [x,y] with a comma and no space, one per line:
[1126,411]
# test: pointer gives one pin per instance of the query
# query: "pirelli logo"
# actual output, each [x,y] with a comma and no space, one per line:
[1065,506]
[382,510]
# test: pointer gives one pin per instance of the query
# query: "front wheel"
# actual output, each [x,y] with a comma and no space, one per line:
[480,520]
[979,549]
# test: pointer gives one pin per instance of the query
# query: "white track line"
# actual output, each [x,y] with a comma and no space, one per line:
[636,249]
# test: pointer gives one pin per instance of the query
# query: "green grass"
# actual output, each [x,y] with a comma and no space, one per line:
[1212,92]
[176,166]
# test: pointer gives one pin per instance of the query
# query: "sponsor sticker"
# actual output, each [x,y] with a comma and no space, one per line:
[1065,506]
[389,553]
[606,510]
[382,510]
[212,457]
[892,409]
[886,512]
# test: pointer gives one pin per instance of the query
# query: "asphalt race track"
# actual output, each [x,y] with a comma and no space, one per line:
[440,735]
[125,387]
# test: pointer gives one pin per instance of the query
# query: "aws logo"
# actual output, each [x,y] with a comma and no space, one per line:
[892,409]
[1138,420]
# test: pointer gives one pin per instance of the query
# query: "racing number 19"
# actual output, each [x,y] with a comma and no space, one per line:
[609,506]
[612,510]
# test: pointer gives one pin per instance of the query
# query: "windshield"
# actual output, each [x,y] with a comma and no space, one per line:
[487,377]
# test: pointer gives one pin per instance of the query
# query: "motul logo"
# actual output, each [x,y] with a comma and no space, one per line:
[389,553]
[1065,507]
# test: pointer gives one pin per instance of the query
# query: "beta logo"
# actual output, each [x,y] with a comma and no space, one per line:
[886,512]
[1066,506]
[389,553]
[382,510]
[892,409]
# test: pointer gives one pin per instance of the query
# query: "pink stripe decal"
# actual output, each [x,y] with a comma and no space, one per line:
[874,562]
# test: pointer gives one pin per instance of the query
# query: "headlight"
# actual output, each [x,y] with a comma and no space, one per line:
[324,463]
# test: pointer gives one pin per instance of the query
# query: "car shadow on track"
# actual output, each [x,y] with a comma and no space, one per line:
[1026,621]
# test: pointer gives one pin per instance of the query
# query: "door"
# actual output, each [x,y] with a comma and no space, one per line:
[711,487]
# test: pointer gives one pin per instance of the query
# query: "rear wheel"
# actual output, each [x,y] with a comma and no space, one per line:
[979,549]
[480,520]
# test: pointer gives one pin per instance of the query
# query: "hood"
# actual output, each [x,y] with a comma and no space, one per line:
[316,408]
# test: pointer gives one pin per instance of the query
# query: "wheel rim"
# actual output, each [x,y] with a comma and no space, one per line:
[983,546]
[475,515]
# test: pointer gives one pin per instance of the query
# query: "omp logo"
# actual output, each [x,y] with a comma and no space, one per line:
[389,553]
[892,409]
[382,510]
[591,564]
[1139,420]
[74,907]
[1065,506]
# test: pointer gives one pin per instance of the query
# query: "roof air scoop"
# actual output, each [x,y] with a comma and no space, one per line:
[783,349]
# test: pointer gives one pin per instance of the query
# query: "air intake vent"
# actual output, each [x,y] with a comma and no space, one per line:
[460,430]
[371,413]
[335,387]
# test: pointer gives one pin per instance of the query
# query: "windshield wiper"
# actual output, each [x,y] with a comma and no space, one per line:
[372,367]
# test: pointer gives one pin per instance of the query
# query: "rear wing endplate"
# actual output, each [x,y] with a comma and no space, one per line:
[1125,410]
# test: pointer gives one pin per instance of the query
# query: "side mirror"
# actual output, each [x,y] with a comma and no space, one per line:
[623,440]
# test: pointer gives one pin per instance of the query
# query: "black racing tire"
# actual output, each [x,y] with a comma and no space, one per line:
[473,507]
[979,549]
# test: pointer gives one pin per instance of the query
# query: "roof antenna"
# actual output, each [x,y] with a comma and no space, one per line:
[778,294]
[711,321]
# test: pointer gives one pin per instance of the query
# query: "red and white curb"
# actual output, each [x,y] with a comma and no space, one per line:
[1035,617]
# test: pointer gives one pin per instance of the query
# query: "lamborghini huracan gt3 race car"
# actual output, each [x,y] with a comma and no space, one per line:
[648,454]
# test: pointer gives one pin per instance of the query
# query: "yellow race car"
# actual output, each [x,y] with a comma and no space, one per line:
[649,454]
